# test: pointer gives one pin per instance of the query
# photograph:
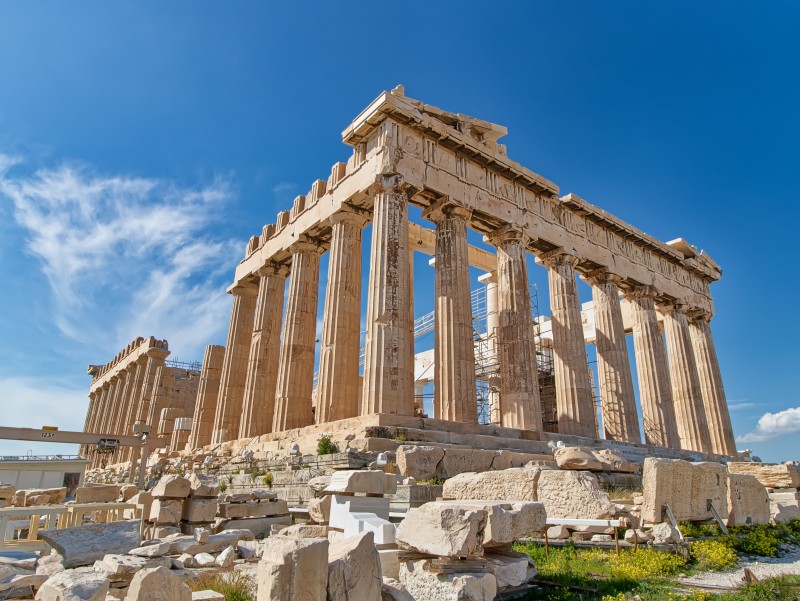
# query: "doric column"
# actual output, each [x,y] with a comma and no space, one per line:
[655,394]
[94,398]
[388,365]
[293,408]
[134,401]
[234,367]
[617,400]
[108,404]
[100,411]
[712,391]
[492,324]
[117,401]
[338,383]
[574,398]
[520,406]
[207,395]
[262,371]
[690,414]
[155,361]
[455,395]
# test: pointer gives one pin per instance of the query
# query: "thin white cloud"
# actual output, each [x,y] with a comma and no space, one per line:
[126,256]
[773,425]
[736,405]
[282,189]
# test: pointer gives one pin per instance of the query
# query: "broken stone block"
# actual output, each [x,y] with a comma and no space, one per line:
[7,493]
[664,533]
[50,564]
[354,569]
[632,536]
[172,486]
[83,545]
[390,563]
[143,498]
[74,585]
[158,584]
[205,560]
[199,510]
[515,484]
[782,475]
[443,529]
[570,494]
[418,461]
[97,493]
[225,559]
[207,595]
[119,569]
[289,569]
[423,585]
[558,532]
[510,568]
[576,458]
[782,512]
[187,561]
[393,590]
[612,461]
[305,531]
[40,496]
[259,527]
[319,509]
[319,483]
[215,543]
[166,511]
[507,521]
[201,534]
[156,550]
[686,487]
[748,501]
[253,509]
[203,485]
[249,549]
[371,482]
[127,491]
[461,460]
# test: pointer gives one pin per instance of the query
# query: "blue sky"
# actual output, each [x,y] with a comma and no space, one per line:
[142,144]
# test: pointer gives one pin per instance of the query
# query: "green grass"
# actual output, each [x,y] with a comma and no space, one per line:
[236,586]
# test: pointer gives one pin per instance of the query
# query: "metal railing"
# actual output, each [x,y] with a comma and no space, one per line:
[39,457]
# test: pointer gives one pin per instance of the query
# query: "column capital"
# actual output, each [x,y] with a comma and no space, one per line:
[390,181]
[155,353]
[446,207]
[507,233]
[121,374]
[350,214]
[635,292]
[699,316]
[243,289]
[556,257]
[306,244]
[132,367]
[601,276]
[271,268]
[667,307]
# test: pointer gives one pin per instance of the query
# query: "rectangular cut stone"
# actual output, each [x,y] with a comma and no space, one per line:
[253,509]
[570,494]
[204,485]
[514,484]
[782,475]
[354,569]
[373,482]
[98,493]
[507,521]
[748,501]
[686,487]
[260,527]
[445,529]
[172,487]
[290,569]
[83,545]
[199,510]
[166,511]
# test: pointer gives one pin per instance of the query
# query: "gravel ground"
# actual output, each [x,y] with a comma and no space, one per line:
[762,567]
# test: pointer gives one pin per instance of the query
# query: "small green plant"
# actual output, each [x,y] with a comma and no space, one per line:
[325,446]
[267,479]
[223,486]
[399,438]
[713,555]
[236,586]
[255,472]
[692,530]
[434,481]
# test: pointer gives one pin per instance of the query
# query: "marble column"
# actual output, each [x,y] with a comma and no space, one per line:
[207,395]
[293,407]
[134,402]
[712,391]
[118,401]
[492,324]
[155,361]
[262,371]
[574,398]
[655,394]
[91,410]
[388,364]
[455,395]
[617,400]
[690,415]
[234,367]
[339,383]
[108,405]
[520,406]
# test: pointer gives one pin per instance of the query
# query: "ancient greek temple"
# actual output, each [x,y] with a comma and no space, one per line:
[406,153]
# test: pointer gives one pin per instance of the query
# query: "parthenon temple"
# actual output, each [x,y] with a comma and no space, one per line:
[271,379]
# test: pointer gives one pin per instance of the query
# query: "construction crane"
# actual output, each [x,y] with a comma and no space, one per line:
[105,442]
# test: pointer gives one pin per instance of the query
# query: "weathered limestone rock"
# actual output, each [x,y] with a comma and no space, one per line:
[156,550]
[393,590]
[373,482]
[83,545]
[685,487]
[39,496]
[419,462]
[567,494]
[97,493]
[249,549]
[611,461]
[225,559]
[121,568]
[205,560]
[259,527]
[748,502]
[143,498]
[632,535]
[507,521]
[558,532]
[782,475]
[23,581]
[172,486]
[319,509]
[319,483]
[575,458]
[354,569]
[207,595]
[187,561]
[664,533]
[201,535]
[426,586]
[443,529]
[166,511]
[74,585]
[199,510]
[50,565]
[126,491]
[158,584]
[203,485]
[214,544]
[290,569]
[511,568]
[515,484]
[305,531]
[253,509]
[7,493]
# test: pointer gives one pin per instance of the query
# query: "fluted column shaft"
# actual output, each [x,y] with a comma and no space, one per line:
[492,324]
[262,372]
[114,385]
[119,399]
[388,367]
[155,361]
[617,400]
[134,402]
[234,367]
[455,393]
[293,407]
[574,398]
[655,394]
[95,408]
[520,406]
[207,396]
[711,388]
[690,414]
[338,384]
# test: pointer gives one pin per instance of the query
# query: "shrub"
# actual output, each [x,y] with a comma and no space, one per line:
[223,486]
[236,586]
[267,479]
[713,555]
[697,530]
[325,446]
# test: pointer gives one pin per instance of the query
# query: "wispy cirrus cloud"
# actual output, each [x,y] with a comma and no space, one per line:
[773,425]
[125,255]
